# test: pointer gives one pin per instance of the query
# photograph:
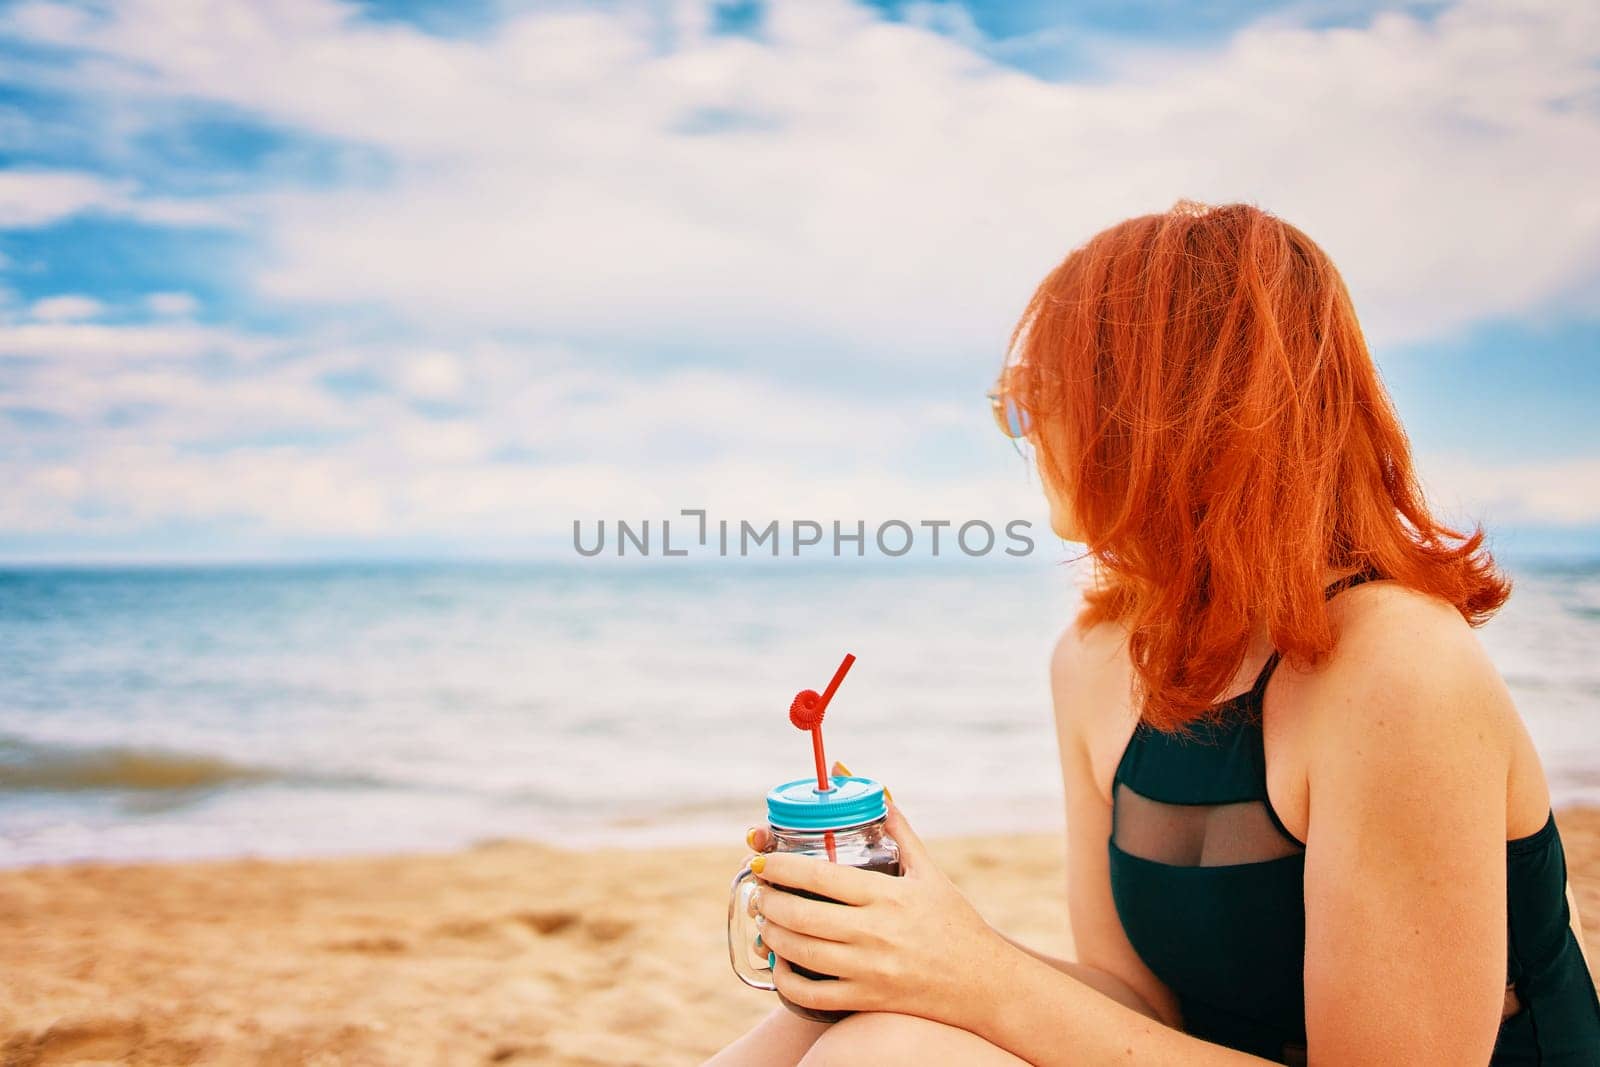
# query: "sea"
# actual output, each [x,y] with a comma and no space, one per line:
[167,712]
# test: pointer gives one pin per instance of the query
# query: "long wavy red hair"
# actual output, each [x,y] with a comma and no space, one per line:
[1204,399]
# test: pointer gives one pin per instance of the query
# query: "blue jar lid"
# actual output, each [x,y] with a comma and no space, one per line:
[799,805]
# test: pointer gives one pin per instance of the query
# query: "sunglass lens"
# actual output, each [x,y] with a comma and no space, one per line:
[1017,421]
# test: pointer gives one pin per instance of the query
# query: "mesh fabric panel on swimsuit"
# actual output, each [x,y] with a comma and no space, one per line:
[1198,798]
[1197,835]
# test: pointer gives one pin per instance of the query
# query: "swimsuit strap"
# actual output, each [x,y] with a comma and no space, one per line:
[1350,581]
[1265,675]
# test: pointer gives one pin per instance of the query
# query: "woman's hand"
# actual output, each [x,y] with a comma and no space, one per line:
[911,944]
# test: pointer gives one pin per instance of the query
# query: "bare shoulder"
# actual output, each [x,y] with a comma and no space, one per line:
[1086,663]
[1395,639]
[1407,688]
[1090,686]
[1380,611]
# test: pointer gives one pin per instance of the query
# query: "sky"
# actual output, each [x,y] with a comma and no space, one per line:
[323,278]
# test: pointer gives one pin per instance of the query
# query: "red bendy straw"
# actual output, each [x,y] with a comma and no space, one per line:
[806,712]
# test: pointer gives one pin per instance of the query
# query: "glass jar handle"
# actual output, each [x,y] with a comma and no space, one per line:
[749,962]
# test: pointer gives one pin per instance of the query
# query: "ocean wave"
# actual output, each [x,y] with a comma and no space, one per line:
[31,767]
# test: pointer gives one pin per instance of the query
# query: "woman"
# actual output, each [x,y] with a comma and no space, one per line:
[1305,822]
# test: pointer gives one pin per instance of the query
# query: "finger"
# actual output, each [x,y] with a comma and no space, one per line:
[824,994]
[840,769]
[816,918]
[847,885]
[758,838]
[812,953]
[912,851]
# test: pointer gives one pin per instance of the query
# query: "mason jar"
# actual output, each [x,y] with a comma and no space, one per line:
[844,824]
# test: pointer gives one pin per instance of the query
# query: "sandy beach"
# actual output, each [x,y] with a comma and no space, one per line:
[504,953]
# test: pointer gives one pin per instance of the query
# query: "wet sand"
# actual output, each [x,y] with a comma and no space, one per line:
[504,953]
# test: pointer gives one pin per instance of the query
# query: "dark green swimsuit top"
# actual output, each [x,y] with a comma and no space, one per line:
[1209,886]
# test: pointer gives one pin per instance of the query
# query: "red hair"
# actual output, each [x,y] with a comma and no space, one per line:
[1204,399]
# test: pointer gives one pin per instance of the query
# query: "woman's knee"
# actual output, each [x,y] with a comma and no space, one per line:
[779,1040]
[868,1036]
[884,1039]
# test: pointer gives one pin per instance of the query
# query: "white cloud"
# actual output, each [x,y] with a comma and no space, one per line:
[31,198]
[65,308]
[1562,491]
[432,376]
[172,305]
[89,343]
[38,198]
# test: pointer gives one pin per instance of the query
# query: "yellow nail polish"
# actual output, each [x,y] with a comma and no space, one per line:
[750,838]
[758,864]
[839,768]
[888,797]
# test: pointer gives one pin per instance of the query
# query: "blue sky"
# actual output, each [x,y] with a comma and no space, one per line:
[371,278]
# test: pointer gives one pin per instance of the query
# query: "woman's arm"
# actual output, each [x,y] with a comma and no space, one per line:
[1406,864]
[1052,1020]
[1085,687]
[1104,982]
[1108,1007]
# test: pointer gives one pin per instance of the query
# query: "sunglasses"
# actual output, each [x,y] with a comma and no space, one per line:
[1013,419]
